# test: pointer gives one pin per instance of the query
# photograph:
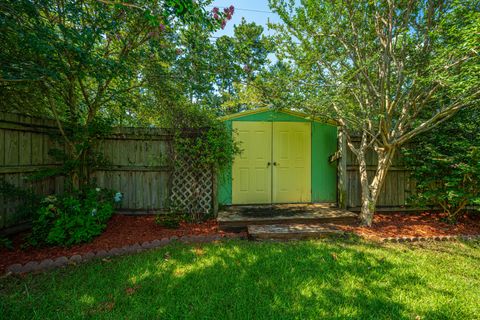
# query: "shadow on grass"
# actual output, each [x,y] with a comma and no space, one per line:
[232,280]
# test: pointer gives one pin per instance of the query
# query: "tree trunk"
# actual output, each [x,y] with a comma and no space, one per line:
[371,191]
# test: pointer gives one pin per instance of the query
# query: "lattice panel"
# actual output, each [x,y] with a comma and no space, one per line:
[192,188]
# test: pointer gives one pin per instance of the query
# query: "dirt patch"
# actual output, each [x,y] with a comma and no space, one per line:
[417,225]
[121,230]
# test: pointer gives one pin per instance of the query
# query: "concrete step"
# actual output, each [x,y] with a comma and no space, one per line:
[292,231]
[240,223]
[238,218]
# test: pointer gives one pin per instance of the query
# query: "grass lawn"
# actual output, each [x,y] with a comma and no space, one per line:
[334,279]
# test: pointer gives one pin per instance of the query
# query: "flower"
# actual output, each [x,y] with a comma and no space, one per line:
[215,10]
[215,16]
[224,22]
[94,212]
[97,189]
[118,197]
[232,9]
[49,199]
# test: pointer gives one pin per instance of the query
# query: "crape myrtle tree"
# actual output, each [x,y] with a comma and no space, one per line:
[387,70]
[82,62]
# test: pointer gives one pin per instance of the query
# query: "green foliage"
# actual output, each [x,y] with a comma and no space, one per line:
[198,134]
[6,243]
[72,218]
[169,220]
[387,70]
[446,164]
[84,64]
[28,200]
[211,147]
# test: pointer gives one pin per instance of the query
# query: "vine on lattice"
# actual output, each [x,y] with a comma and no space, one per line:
[192,188]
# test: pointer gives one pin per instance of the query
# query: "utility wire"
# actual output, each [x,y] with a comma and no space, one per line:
[250,10]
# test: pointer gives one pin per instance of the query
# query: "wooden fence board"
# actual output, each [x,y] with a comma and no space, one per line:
[396,190]
[139,166]
[135,156]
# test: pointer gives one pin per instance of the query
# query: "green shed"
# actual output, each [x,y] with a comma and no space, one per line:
[284,159]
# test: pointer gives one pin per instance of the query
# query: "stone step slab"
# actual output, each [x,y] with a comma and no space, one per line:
[292,231]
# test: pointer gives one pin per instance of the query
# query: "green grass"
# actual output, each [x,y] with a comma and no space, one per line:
[333,279]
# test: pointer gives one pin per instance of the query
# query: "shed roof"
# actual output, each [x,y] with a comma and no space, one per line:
[286,111]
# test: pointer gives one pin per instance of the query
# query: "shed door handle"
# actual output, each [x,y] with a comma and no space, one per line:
[268,164]
[276,164]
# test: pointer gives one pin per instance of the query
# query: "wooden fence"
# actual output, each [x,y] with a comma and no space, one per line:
[138,164]
[138,167]
[397,189]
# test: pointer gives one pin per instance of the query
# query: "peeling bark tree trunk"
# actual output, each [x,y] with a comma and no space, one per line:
[371,190]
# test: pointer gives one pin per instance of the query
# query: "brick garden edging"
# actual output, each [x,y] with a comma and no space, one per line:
[48,264]
[430,238]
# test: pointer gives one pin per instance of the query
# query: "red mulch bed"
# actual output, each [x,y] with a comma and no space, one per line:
[122,230]
[126,230]
[418,225]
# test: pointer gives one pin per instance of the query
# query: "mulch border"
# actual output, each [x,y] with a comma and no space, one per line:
[48,264]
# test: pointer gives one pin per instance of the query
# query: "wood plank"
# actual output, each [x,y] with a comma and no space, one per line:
[11,147]
[25,152]
[135,168]
[374,168]
[46,149]
[153,192]
[2,147]
[37,149]
[124,189]
[139,190]
[25,169]
[162,188]
[131,190]
[147,190]
[401,188]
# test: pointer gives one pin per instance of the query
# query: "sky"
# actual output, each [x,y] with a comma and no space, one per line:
[252,10]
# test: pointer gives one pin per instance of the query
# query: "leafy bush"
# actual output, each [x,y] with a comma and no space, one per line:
[445,163]
[73,218]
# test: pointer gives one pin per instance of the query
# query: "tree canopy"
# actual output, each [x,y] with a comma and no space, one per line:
[387,70]
[97,63]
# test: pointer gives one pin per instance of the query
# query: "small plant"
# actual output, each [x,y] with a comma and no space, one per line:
[73,218]
[6,243]
[170,220]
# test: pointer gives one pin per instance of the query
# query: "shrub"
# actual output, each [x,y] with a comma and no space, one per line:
[445,164]
[73,218]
